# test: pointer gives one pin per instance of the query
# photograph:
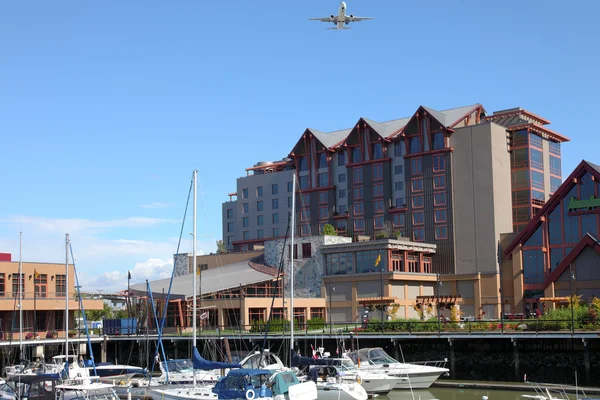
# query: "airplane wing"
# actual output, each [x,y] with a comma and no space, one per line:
[326,19]
[356,19]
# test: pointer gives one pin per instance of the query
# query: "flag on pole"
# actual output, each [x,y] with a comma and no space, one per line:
[128,274]
[197,270]
[36,274]
[378,260]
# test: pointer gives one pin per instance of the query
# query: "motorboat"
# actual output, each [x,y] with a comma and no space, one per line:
[116,371]
[32,387]
[419,375]
[85,391]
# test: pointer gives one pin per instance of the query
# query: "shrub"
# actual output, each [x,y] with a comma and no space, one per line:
[316,323]
[328,229]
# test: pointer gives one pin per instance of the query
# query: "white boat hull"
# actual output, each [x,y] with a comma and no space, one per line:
[341,391]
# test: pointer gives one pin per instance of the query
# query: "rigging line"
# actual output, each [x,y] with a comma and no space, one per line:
[279,273]
[164,317]
[82,309]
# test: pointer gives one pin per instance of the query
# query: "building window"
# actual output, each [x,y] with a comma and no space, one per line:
[289,202]
[359,208]
[357,175]
[230,227]
[322,160]
[415,144]
[245,222]
[441,232]
[356,155]
[535,140]
[398,149]
[276,218]
[378,172]
[417,201]
[378,190]
[323,179]
[305,230]
[416,166]
[378,221]
[555,166]
[419,234]
[2,284]
[554,148]
[260,234]
[304,215]
[359,224]
[229,213]
[365,261]
[537,180]
[343,208]
[439,199]
[302,163]
[398,170]
[439,163]
[341,157]
[440,216]
[417,185]
[259,205]
[274,188]
[438,141]
[418,218]
[323,197]
[229,240]
[305,200]
[399,186]
[306,250]
[398,220]
[275,204]
[290,187]
[357,193]
[246,235]
[317,312]
[244,193]
[260,220]
[342,225]
[342,178]
[342,193]
[323,213]
[400,202]
[377,151]
[339,263]
[259,191]
[537,159]
[554,184]
[378,206]
[60,287]
[303,182]
[439,182]
[275,232]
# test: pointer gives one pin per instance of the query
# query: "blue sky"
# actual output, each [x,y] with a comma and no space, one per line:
[107,107]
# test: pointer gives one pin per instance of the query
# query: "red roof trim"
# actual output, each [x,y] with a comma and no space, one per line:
[551,204]
[587,240]
[524,112]
[476,107]
[319,189]
[397,210]
[539,129]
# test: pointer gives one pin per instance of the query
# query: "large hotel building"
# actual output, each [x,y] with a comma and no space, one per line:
[461,179]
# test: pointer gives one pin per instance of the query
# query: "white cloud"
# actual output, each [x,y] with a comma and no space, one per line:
[114,281]
[155,205]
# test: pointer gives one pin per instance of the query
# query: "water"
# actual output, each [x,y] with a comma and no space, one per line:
[455,394]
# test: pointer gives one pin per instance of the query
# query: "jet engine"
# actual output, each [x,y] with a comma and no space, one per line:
[332,17]
[351,17]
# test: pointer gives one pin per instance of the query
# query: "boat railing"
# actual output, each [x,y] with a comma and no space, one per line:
[434,363]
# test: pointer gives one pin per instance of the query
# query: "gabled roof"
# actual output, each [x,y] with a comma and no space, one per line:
[554,201]
[587,240]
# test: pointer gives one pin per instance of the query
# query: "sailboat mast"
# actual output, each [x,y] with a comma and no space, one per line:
[194,268]
[67,298]
[292,261]
[21,283]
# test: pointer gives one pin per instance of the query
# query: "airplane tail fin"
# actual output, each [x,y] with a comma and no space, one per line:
[338,29]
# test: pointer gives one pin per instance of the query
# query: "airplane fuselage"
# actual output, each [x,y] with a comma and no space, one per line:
[341,15]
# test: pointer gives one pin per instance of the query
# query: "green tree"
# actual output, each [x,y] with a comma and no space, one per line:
[97,315]
[328,229]
[221,249]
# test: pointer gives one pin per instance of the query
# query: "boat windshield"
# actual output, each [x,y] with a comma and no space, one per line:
[94,394]
[180,365]
[379,356]
[347,365]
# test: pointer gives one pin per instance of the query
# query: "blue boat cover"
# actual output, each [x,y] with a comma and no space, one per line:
[203,364]
[298,361]
[237,382]
[249,372]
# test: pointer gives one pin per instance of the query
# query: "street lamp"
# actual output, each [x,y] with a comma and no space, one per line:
[571,278]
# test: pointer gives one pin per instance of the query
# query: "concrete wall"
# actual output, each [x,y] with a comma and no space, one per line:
[482,196]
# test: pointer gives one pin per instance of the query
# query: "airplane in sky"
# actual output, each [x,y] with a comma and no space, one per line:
[341,19]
